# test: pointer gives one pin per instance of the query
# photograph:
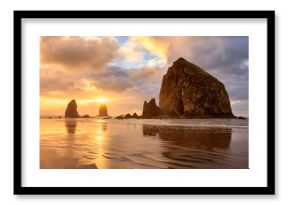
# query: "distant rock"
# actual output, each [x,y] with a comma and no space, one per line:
[135,115]
[103,110]
[120,117]
[71,110]
[151,110]
[86,116]
[189,91]
[128,116]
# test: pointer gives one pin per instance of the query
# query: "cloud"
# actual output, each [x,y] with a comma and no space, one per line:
[131,51]
[140,51]
[114,79]
[151,75]
[153,45]
[58,82]
[118,79]
[224,57]
[78,53]
[241,107]
[134,66]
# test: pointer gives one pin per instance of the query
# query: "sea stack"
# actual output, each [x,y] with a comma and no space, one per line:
[71,110]
[151,110]
[103,110]
[189,91]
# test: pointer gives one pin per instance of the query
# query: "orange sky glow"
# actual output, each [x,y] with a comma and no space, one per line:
[123,72]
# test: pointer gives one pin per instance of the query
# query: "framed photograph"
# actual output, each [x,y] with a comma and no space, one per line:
[144,102]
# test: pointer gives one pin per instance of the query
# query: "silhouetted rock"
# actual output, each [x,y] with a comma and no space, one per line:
[188,91]
[128,116]
[86,116]
[71,110]
[120,117]
[103,110]
[151,110]
[135,115]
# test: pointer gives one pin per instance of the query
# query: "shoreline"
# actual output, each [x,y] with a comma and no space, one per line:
[153,118]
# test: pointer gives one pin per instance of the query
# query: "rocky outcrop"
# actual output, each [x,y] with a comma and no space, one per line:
[128,116]
[135,115]
[103,110]
[151,110]
[188,91]
[71,110]
[120,117]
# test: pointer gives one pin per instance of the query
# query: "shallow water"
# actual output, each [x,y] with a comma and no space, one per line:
[108,144]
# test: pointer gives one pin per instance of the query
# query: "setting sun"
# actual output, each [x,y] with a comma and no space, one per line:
[101,100]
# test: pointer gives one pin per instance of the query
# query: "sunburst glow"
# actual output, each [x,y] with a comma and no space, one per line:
[101,100]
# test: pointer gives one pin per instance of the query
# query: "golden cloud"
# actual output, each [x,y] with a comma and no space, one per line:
[75,52]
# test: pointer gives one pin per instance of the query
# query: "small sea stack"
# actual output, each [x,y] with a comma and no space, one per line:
[151,110]
[71,110]
[103,110]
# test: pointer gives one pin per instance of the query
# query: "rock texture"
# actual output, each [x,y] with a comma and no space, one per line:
[103,110]
[71,110]
[151,110]
[188,91]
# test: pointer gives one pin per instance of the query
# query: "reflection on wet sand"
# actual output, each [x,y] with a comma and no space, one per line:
[186,147]
[111,144]
[65,157]
[71,124]
[208,138]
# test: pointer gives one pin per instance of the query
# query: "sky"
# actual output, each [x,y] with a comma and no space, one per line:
[124,71]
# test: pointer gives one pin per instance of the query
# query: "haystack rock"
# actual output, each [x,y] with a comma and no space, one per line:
[151,110]
[71,110]
[188,91]
[103,110]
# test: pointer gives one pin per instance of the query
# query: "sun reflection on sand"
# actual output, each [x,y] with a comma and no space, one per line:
[100,141]
[90,143]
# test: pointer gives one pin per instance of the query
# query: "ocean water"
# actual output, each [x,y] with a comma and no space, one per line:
[143,144]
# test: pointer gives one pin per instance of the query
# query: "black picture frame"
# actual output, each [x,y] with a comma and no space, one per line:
[270,18]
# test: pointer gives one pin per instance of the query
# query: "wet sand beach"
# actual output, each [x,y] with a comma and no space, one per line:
[143,144]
